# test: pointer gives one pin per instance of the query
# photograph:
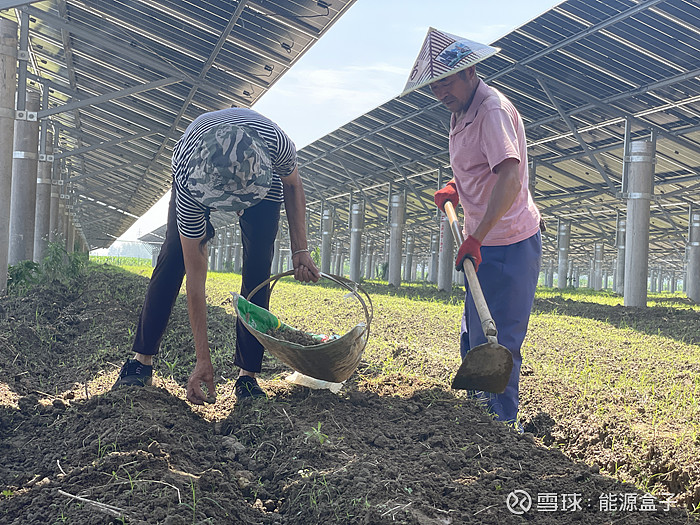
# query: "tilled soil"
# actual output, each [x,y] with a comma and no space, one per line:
[386,450]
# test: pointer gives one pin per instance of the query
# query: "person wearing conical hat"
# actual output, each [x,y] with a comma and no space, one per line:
[488,156]
[238,161]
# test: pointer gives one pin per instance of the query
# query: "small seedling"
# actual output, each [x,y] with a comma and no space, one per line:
[316,433]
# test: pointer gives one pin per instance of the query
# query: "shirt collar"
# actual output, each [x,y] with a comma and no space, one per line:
[482,91]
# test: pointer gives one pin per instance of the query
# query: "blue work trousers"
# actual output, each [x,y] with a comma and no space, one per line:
[508,278]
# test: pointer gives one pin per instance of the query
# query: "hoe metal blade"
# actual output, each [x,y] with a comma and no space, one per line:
[486,367]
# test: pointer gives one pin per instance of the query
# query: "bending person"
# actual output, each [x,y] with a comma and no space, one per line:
[232,160]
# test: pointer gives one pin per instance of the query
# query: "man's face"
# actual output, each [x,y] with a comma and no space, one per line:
[455,91]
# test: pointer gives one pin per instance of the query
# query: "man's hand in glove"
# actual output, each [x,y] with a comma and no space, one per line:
[470,248]
[448,193]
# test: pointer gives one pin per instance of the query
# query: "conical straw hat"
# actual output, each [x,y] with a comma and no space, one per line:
[442,55]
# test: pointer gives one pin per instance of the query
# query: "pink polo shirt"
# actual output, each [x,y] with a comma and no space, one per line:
[490,132]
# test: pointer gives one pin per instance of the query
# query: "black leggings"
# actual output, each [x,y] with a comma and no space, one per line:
[259,226]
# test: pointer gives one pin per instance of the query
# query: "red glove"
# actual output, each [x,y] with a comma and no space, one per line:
[448,193]
[470,248]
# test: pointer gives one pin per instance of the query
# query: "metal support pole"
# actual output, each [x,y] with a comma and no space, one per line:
[357,223]
[8,88]
[396,239]
[639,195]
[24,171]
[563,239]
[692,277]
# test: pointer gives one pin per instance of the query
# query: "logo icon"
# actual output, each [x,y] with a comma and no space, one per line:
[519,502]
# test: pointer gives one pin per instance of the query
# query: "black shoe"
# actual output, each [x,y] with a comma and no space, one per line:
[247,387]
[134,373]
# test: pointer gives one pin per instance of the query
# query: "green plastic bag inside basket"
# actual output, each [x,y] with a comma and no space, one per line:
[259,318]
[263,320]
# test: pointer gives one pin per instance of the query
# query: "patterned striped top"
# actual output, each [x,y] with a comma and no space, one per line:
[192,215]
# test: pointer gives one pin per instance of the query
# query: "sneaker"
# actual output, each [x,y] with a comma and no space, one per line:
[134,373]
[247,387]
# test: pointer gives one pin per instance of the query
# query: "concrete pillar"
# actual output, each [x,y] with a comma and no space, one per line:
[24,171]
[42,212]
[550,274]
[66,218]
[231,247]
[8,88]
[640,189]
[598,266]
[398,216]
[692,277]
[570,278]
[326,235]
[155,252]
[408,264]
[660,276]
[60,234]
[238,251]
[219,263]
[71,234]
[55,203]
[434,258]
[672,283]
[620,266]
[339,260]
[357,225]
[368,260]
[276,256]
[446,261]
[563,240]
[652,280]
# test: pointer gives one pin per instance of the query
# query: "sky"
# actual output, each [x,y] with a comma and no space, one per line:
[362,62]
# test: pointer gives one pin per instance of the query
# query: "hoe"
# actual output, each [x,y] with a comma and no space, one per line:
[488,366]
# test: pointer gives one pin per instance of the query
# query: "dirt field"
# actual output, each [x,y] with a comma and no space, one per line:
[389,449]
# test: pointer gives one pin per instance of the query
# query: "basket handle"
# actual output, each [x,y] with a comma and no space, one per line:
[352,286]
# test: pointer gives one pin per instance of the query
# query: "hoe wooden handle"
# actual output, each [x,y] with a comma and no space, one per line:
[487,324]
